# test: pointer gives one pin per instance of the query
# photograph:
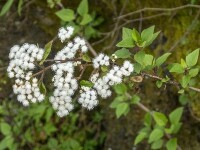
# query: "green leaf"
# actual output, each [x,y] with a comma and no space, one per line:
[192,58]
[7,142]
[104,68]
[126,33]
[157,144]
[172,144]
[6,7]
[183,63]
[136,35]
[135,99]
[194,72]
[86,19]
[147,119]
[148,60]
[162,59]
[146,33]
[159,83]
[83,7]
[86,83]
[42,88]
[155,135]
[86,58]
[183,99]
[151,39]
[160,118]
[66,14]
[117,101]
[175,116]
[174,128]
[127,43]
[141,136]
[5,128]
[139,57]
[123,53]
[185,81]
[121,109]
[177,68]
[47,49]
[19,7]
[120,88]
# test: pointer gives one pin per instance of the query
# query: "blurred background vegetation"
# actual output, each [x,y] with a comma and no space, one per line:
[39,128]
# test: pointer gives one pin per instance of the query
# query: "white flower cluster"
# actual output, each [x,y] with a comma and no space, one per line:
[88,98]
[113,77]
[22,61]
[64,34]
[70,50]
[101,60]
[64,81]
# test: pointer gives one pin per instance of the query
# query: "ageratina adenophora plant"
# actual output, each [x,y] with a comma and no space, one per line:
[120,71]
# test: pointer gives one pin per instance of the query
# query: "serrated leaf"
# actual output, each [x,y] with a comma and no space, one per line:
[157,144]
[162,59]
[194,72]
[86,83]
[177,68]
[146,33]
[126,33]
[83,7]
[6,7]
[123,53]
[192,58]
[86,19]
[172,144]
[160,118]
[121,109]
[66,14]
[5,128]
[127,43]
[155,135]
[175,116]
[47,49]
[140,137]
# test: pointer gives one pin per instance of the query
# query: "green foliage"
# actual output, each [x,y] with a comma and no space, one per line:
[123,53]
[86,83]
[66,14]
[156,135]
[83,8]
[6,7]
[160,118]
[172,144]
[47,49]
[162,59]
[192,58]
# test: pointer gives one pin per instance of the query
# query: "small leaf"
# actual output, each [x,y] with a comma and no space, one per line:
[159,83]
[141,136]
[175,116]
[162,59]
[151,39]
[139,57]
[5,128]
[176,68]
[86,19]
[47,49]
[192,58]
[118,100]
[135,99]
[83,7]
[136,35]
[126,33]
[86,58]
[123,53]
[6,7]
[127,43]
[146,33]
[148,60]
[194,72]
[160,118]
[183,63]
[185,81]
[157,144]
[183,99]
[120,88]
[121,109]
[86,83]
[147,119]
[104,68]
[66,14]
[19,7]
[172,144]
[42,88]
[174,128]
[155,135]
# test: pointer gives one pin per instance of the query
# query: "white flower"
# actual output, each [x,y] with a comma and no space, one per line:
[101,60]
